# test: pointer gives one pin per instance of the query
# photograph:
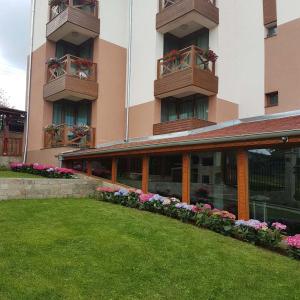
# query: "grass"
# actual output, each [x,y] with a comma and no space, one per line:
[11,174]
[83,249]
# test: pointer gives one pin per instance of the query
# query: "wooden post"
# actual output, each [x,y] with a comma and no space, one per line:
[193,57]
[145,174]
[114,167]
[243,184]
[89,167]
[186,182]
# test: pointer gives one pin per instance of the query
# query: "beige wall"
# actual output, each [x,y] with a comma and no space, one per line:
[283,67]
[109,109]
[40,111]
[142,117]
[220,110]
[46,156]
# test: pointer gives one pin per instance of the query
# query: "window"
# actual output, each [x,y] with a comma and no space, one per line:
[165,175]
[272,31]
[85,50]
[102,168]
[130,171]
[213,179]
[198,38]
[274,182]
[71,113]
[272,99]
[195,106]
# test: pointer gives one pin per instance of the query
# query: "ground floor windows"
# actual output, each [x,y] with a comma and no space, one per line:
[102,168]
[129,171]
[213,179]
[165,175]
[274,180]
[274,176]
[79,165]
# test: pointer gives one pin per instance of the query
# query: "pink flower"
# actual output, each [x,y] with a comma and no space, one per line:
[279,226]
[207,206]
[105,190]
[145,197]
[293,241]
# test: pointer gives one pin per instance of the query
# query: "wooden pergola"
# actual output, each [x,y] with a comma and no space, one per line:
[12,124]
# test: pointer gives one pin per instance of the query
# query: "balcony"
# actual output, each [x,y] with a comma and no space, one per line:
[180,125]
[65,136]
[186,72]
[182,17]
[71,78]
[73,23]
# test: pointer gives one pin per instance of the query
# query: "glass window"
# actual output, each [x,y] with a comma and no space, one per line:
[130,171]
[165,175]
[272,31]
[213,180]
[195,106]
[272,99]
[186,109]
[274,176]
[102,168]
[79,165]
[71,113]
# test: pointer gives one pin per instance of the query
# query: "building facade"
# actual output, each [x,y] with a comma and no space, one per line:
[176,97]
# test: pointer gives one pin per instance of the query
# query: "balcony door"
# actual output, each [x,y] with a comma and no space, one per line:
[71,113]
[85,50]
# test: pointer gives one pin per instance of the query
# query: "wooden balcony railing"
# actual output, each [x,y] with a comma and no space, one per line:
[73,66]
[11,146]
[190,57]
[66,136]
[87,6]
[166,3]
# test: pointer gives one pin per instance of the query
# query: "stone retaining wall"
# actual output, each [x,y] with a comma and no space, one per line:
[46,188]
[7,160]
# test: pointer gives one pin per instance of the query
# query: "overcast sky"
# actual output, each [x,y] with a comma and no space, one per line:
[14,48]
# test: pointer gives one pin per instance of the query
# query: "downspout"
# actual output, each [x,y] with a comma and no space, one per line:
[128,79]
[29,69]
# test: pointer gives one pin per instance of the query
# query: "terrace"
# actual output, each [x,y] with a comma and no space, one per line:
[186,72]
[72,78]
[73,21]
[182,17]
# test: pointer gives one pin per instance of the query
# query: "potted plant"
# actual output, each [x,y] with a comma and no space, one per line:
[80,130]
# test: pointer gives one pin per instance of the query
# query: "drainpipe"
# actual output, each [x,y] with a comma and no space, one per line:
[128,79]
[29,68]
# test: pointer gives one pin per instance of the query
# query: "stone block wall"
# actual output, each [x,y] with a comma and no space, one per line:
[47,188]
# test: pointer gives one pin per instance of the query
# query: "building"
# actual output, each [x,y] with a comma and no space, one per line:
[172,96]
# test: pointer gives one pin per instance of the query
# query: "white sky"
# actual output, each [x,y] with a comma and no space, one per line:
[14,48]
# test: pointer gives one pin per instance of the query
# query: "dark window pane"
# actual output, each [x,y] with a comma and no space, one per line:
[274,176]
[102,168]
[130,171]
[79,165]
[213,180]
[165,175]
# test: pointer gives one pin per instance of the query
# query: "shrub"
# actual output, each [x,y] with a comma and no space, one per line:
[259,233]
[293,243]
[43,170]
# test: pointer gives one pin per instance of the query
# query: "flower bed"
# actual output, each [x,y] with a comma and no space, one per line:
[43,170]
[202,215]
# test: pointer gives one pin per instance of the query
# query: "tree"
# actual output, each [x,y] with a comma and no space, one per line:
[4,99]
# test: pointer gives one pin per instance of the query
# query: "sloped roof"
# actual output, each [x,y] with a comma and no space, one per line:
[246,129]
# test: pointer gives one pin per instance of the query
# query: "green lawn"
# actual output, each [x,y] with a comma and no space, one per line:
[10,174]
[83,249]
